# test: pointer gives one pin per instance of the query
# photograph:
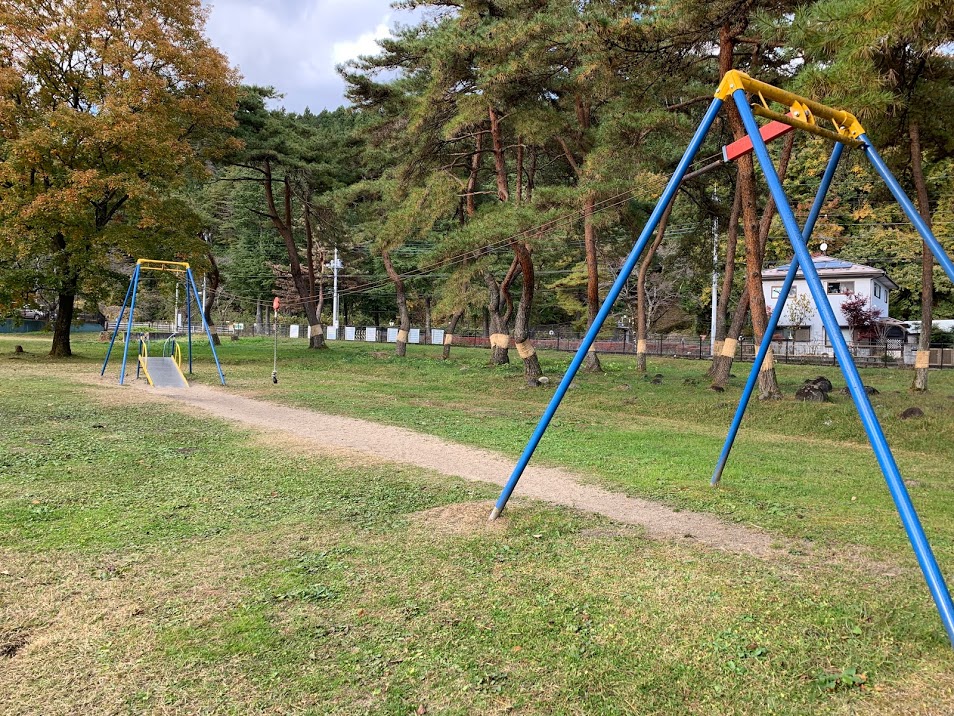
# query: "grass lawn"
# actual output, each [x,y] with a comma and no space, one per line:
[799,469]
[152,561]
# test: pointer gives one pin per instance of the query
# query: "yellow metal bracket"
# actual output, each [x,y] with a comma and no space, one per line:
[802,111]
[172,266]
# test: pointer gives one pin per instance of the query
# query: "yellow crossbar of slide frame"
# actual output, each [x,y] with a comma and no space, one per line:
[153,265]
[802,111]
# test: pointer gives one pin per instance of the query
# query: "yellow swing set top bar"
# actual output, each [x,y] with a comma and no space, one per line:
[803,111]
[153,265]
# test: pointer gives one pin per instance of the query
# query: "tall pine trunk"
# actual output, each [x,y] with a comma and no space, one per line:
[449,333]
[728,277]
[521,327]
[497,313]
[427,319]
[768,384]
[641,318]
[404,317]
[920,382]
[592,361]
[316,285]
[284,226]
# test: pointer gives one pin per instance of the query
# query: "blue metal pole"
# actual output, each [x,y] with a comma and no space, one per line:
[909,209]
[205,325]
[119,320]
[899,493]
[189,319]
[129,328]
[667,196]
[776,314]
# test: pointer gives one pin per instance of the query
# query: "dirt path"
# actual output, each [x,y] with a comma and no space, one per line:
[404,446]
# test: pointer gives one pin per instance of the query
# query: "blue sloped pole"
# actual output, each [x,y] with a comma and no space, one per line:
[776,314]
[129,328]
[119,320]
[607,306]
[899,493]
[205,325]
[912,213]
[189,322]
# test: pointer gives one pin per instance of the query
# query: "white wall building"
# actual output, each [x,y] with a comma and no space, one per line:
[838,278]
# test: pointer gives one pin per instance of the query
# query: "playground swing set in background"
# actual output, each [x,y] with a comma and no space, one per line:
[163,371]
[845,131]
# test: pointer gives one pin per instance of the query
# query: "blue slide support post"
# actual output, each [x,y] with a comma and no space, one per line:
[119,319]
[899,493]
[776,314]
[129,328]
[909,209]
[189,319]
[205,325]
[667,196]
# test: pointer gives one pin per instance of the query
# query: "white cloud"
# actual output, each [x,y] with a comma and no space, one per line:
[366,44]
[294,45]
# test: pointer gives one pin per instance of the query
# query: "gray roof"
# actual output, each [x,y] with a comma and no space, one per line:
[829,267]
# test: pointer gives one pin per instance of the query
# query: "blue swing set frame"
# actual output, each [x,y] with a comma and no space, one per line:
[177,267]
[845,131]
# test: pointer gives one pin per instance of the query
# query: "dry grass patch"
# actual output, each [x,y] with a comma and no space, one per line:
[463,518]
[78,634]
[926,692]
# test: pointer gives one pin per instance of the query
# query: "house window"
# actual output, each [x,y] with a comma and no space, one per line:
[802,333]
[777,292]
[841,331]
[836,287]
[877,290]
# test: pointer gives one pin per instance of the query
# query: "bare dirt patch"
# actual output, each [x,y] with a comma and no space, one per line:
[11,643]
[461,518]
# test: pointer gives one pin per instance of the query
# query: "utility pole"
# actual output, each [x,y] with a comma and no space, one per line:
[335,265]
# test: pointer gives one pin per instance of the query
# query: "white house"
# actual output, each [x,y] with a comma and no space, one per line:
[799,318]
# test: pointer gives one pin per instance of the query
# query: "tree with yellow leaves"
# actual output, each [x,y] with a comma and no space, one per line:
[107,111]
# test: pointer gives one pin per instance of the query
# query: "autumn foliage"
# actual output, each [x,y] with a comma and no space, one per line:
[107,111]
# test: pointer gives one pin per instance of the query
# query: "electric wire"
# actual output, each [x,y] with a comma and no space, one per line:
[503,243]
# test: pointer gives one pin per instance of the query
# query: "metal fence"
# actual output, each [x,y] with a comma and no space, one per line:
[890,353]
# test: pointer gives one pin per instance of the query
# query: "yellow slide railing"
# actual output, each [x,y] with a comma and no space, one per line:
[144,359]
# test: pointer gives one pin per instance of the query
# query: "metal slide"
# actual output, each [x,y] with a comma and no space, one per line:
[164,373]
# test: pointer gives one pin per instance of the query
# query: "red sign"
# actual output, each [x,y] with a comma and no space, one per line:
[276,303]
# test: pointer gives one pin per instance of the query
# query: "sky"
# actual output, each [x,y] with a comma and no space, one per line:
[294,45]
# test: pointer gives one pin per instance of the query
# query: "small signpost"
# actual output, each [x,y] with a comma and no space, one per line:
[275,305]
